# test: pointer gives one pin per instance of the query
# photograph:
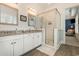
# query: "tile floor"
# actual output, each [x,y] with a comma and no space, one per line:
[71,40]
[71,48]
[35,52]
[67,50]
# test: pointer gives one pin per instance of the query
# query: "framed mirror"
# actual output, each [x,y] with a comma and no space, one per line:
[8,15]
[31,20]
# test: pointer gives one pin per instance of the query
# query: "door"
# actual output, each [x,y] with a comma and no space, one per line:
[18,46]
[6,48]
[49,36]
[49,23]
[28,42]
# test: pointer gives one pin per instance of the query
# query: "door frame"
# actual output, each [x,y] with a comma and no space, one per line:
[76,27]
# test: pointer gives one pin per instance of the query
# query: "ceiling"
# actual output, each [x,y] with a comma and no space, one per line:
[38,6]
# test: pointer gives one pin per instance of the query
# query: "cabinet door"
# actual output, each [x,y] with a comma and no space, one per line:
[6,48]
[28,42]
[37,39]
[40,38]
[18,47]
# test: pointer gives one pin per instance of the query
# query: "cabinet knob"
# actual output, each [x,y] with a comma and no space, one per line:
[11,43]
[14,42]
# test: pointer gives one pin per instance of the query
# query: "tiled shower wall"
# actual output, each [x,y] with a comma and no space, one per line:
[49,23]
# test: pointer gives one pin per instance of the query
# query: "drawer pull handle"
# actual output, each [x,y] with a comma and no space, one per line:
[14,42]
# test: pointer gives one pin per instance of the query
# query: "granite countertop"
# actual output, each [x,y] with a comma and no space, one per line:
[9,33]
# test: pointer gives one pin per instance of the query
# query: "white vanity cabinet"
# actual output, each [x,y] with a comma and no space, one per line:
[32,40]
[28,42]
[18,45]
[37,39]
[11,45]
[6,47]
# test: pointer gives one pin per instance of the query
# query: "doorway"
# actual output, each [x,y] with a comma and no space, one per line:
[71,28]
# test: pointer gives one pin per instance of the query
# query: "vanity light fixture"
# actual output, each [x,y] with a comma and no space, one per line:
[32,11]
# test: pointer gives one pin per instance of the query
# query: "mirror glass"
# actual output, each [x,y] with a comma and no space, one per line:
[8,15]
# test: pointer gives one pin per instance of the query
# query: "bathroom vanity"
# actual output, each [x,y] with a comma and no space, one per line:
[14,43]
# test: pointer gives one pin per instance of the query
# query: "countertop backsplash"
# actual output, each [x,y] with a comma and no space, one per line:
[18,32]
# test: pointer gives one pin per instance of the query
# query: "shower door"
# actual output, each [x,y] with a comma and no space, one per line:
[49,35]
